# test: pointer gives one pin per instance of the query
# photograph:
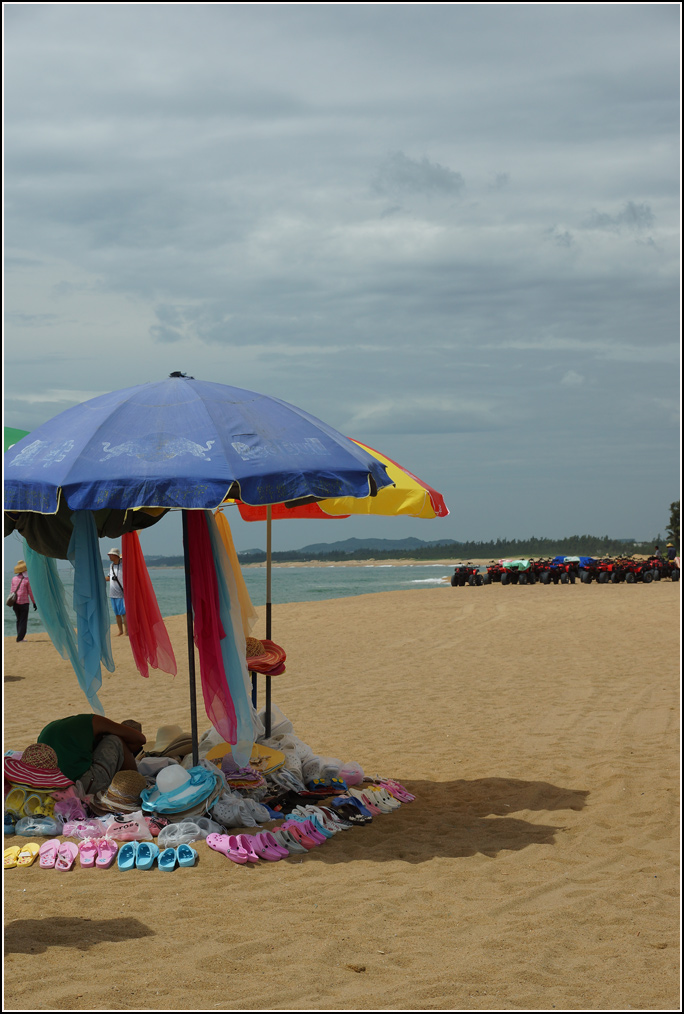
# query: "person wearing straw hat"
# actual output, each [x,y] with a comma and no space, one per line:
[20,592]
[91,749]
[116,592]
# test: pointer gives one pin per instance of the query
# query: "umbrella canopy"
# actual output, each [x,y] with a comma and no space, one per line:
[408,496]
[13,436]
[187,444]
[177,443]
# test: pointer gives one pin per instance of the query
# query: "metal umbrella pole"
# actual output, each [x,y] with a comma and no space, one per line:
[191,644]
[267,723]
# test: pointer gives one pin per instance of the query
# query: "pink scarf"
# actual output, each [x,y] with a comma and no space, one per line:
[147,631]
[209,630]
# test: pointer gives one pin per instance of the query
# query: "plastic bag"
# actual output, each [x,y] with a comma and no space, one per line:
[280,723]
[174,835]
[39,825]
[352,773]
[128,827]
[91,828]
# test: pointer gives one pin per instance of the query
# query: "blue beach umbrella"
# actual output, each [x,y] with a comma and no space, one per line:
[178,443]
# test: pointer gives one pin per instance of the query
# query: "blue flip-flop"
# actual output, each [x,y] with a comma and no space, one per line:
[146,855]
[127,855]
[186,855]
[167,860]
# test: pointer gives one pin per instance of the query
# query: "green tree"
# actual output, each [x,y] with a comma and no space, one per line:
[673,527]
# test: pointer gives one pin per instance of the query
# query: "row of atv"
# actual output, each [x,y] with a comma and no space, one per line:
[567,570]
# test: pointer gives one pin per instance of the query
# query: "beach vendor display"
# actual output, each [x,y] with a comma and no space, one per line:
[91,749]
[20,592]
[116,592]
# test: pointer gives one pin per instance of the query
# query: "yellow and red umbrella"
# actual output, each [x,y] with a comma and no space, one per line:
[408,496]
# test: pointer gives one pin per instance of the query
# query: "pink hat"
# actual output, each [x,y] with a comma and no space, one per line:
[265,656]
[38,768]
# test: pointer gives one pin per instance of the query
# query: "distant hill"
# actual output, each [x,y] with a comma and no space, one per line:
[386,545]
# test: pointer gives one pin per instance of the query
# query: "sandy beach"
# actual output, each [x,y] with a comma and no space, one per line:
[537,868]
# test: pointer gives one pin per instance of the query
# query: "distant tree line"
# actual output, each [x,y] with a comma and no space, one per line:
[575,545]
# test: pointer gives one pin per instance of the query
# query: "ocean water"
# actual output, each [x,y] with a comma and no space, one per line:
[288,584]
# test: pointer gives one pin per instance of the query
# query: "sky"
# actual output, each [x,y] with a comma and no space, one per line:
[450,231]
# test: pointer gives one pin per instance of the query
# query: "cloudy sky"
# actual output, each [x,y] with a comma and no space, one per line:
[449,230]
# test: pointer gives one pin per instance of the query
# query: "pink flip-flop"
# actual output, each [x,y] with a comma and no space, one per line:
[88,851]
[106,852]
[48,853]
[66,855]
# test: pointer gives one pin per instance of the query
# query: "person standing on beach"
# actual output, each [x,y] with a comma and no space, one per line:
[116,592]
[21,587]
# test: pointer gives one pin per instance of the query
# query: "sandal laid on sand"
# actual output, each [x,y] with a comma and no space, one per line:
[106,852]
[167,860]
[127,855]
[48,853]
[228,846]
[88,851]
[66,855]
[28,854]
[287,841]
[186,855]
[146,855]
[10,857]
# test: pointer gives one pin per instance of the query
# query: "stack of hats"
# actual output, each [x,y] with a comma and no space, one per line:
[265,656]
[37,768]
[244,779]
[181,794]
[122,796]
[171,742]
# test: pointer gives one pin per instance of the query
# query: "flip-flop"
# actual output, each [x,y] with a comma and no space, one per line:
[337,819]
[127,855]
[106,852]
[349,812]
[186,855]
[88,851]
[10,857]
[66,855]
[167,860]
[146,855]
[28,854]
[48,853]
[363,798]
[397,790]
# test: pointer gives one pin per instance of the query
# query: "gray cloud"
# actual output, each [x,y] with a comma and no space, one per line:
[209,189]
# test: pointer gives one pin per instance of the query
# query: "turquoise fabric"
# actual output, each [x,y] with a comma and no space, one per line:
[91,602]
[51,601]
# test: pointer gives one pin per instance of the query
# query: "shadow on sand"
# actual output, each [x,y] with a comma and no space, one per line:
[458,819]
[34,936]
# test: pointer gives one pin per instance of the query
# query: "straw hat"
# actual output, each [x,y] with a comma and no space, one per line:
[38,768]
[171,741]
[265,656]
[20,567]
[123,794]
[114,552]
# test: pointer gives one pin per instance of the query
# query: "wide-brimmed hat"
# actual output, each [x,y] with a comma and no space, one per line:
[265,656]
[123,794]
[670,545]
[171,741]
[178,790]
[114,552]
[38,768]
[20,567]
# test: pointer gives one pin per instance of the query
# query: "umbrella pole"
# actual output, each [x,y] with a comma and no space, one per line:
[191,644]
[268,615]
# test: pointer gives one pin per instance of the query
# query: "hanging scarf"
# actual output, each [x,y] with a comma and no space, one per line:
[209,629]
[50,598]
[90,600]
[247,611]
[233,646]
[147,633]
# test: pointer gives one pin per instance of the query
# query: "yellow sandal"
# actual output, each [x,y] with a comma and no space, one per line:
[28,854]
[10,857]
